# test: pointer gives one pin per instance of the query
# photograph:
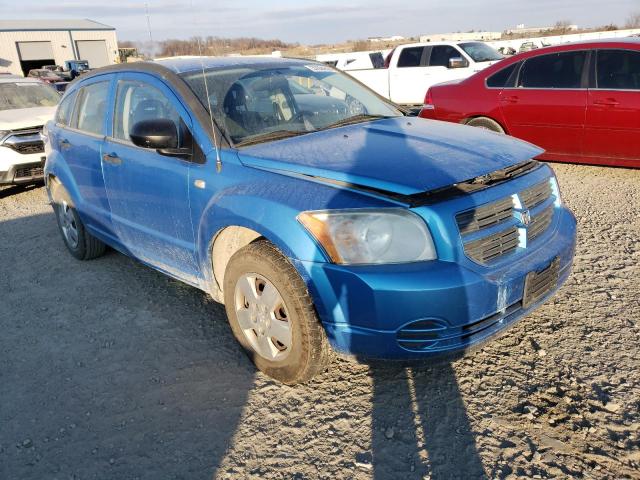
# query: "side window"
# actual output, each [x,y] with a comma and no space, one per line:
[65,109]
[501,78]
[137,101]
[441,54]
[618,70]
[92,107]
[410,57]
[557,70]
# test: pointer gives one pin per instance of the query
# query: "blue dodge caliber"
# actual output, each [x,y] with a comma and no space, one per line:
[321,216]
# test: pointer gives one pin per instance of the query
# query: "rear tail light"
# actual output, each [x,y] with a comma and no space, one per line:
[428,101]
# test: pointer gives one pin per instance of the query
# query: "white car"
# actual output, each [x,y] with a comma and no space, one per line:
[26,104]
[410,70]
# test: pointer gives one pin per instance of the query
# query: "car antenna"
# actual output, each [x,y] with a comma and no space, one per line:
[206,91]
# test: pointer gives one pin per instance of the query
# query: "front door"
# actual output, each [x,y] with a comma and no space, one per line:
[149,192]
[547,106]
[613,122]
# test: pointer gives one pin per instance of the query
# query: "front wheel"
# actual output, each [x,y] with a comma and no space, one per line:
[272,316]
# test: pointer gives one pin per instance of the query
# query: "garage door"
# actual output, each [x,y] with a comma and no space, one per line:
[34,50]
[93,51]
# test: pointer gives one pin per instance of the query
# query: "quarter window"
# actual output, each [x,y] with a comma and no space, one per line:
[92,107]
[501,78]
[410,57]
[618,70]
[63,114]
[136,102]
[557,70]
[442,54]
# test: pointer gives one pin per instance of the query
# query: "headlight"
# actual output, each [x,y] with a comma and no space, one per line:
[367,236]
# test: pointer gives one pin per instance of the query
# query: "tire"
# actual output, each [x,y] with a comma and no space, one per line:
[293,357]
[486,123]
[80,243]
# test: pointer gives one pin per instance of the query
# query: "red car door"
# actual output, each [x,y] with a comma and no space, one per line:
[613,110]
[547,105]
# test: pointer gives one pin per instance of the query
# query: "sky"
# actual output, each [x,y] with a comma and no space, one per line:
[311,22]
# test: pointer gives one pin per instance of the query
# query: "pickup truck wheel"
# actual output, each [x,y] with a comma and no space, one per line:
[80,243]
[272,315]
[486,123]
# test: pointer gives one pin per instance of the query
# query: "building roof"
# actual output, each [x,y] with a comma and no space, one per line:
[49,25]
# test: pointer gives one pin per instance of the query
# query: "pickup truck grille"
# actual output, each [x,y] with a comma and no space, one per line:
[25,141]
[491,231]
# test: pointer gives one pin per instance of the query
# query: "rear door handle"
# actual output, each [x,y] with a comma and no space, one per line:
[112,158]
[609,102]
[510,99]
[64,144]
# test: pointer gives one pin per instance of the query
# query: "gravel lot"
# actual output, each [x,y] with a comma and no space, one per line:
[111,370]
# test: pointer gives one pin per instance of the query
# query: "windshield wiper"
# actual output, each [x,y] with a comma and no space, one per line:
[354,119]
[270,136]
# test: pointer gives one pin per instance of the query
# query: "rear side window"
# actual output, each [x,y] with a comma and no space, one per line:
[410,57]
[501,78]
[618,70]
[441,54]
[65,109]
[92,107]
[557,70]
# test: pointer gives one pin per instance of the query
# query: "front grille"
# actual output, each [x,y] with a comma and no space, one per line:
[493,246]
[540,223]
[29,148]
[29,171]
[485,216]
[536,195]
[484,240]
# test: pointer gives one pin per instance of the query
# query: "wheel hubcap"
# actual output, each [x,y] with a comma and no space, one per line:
[68,224]
[263,316]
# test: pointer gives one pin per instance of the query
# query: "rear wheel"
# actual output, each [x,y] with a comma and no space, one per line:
[486,123]
[272,316]
[80,243]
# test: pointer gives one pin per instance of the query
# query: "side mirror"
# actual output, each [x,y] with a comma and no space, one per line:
[458,62]
[156,133]
[160,134]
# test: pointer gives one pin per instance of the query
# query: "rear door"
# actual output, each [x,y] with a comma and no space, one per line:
[149,192]
[613,121]
[80,141]
[548,103]
[407,78]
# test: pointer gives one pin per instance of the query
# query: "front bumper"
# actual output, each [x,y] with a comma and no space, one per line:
[442,307]
[18,168]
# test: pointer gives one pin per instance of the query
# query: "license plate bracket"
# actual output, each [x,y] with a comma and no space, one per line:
[539,283]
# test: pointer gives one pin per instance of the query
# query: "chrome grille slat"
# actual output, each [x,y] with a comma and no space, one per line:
[485,216]
[539,223]
[492,246]
[536,195]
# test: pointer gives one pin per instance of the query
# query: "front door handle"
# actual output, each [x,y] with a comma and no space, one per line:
[510,99]
[64,144]
[609,102]
[112,158]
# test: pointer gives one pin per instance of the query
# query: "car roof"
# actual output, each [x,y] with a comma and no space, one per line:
[624,42]
[188,64]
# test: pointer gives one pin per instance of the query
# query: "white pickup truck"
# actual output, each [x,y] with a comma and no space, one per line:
[410,70]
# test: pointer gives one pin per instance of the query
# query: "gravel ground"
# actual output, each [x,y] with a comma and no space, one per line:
[111,370]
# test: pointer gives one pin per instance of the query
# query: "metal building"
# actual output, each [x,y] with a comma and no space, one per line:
[29,44]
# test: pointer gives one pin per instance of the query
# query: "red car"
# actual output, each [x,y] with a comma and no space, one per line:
[579,101]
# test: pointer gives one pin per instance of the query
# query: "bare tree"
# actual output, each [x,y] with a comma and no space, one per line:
[633,20]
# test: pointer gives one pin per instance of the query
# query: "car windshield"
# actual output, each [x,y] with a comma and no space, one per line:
[254,104]
[480,52]
[27,95]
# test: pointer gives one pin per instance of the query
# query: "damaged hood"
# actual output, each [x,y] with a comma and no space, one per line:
[403,155]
